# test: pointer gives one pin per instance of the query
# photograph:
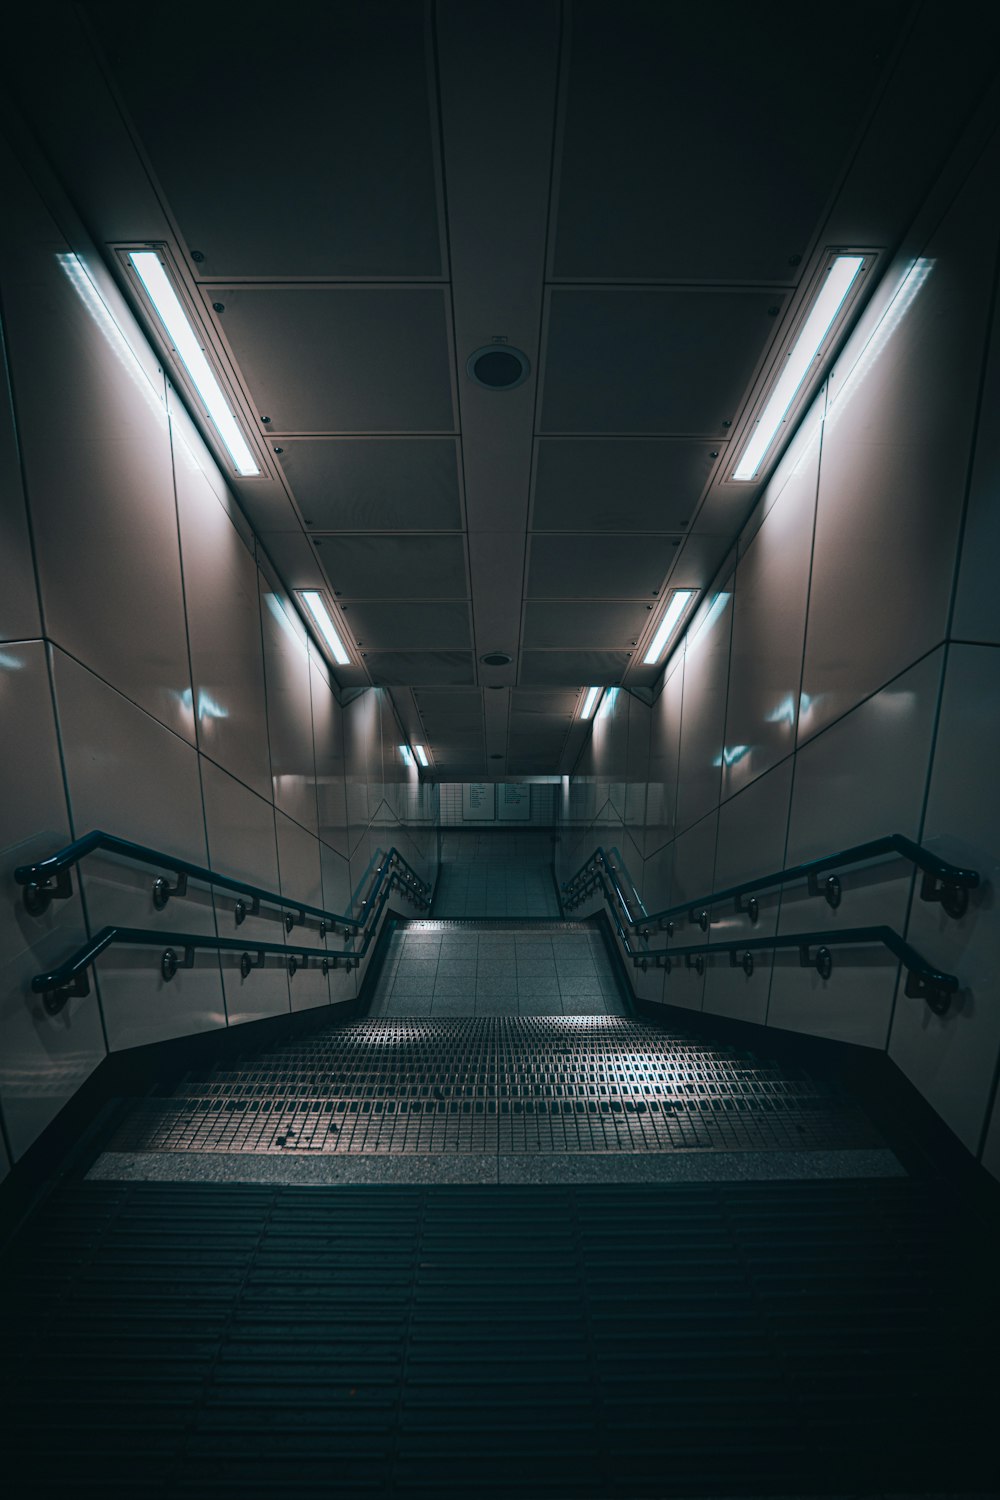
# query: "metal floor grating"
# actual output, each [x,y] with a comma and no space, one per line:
[506,1085]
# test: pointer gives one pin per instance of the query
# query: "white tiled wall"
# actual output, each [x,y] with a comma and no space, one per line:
[952,1058]
[19,619]
[829,698]
[172,697]
[43,1059]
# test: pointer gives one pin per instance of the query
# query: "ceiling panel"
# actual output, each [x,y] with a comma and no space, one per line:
[598,567]
[408,668]
[670,360]
[592,484]
[527,761]
[396,567]
[678,156]
[343,359]
[408,627]
[375,484]
[576,668]
[589,624]
[454,711]
[276,174]
[698,560]
[527,702]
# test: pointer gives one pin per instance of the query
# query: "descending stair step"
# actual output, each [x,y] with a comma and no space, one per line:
[489,1098]
[599,1343]
[503,967]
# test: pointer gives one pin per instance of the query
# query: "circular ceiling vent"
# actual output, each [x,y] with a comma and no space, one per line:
[496,659]
[498,367]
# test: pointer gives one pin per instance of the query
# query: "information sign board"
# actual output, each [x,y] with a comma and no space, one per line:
[478,802]
[514,802]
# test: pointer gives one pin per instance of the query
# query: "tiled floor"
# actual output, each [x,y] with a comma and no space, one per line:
[496,874]
[548,970]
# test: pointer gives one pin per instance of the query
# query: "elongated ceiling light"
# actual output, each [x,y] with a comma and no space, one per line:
[675,609]
[167,305]
[421,755]
[315,606]
[407,755]
[588,702]
[839,280]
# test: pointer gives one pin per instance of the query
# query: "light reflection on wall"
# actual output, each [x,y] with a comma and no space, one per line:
[732,755]
[911,284]
[715,611]
[114,337]
[207,706]
[277,609]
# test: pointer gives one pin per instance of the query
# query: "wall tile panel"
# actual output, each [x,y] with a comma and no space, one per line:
[99,480]
[703,717]
[896,452]
[223,612]
[952,1059]
[664,756]
[769,616]
[43,1059]
[241,844]
[130,776]
[336,875]
[19,616]
[328,748]
[752,829]
[863,777]
[977,617]
[302,880]
[289,709]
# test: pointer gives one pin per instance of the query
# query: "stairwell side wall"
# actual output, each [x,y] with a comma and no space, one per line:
[155,683]
[840,681]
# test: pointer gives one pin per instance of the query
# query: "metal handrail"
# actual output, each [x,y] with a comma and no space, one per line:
[70,978]
[943,882]
[923,981]
[49,879]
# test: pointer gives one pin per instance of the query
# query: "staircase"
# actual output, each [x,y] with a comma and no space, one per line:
[501,1235]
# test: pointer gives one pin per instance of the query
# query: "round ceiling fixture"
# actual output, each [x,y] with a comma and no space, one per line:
[498,367]
[496,659]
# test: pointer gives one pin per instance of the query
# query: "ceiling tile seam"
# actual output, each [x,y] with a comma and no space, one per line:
[557,138]
[441,182]
[724,288]
[621,435]
[318,434]
[626,283]
[436,132]
[317,283]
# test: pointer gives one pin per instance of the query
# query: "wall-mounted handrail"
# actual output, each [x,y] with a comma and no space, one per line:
[943,882]
[70,978]
[923,980]
[49,879]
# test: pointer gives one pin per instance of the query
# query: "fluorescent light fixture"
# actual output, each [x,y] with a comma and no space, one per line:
[407,755]
[839,280]
[177,325]
[588,702]
[678,604]
[315,606]
[421,755]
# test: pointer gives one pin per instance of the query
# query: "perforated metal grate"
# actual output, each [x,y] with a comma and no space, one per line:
[538,1084]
